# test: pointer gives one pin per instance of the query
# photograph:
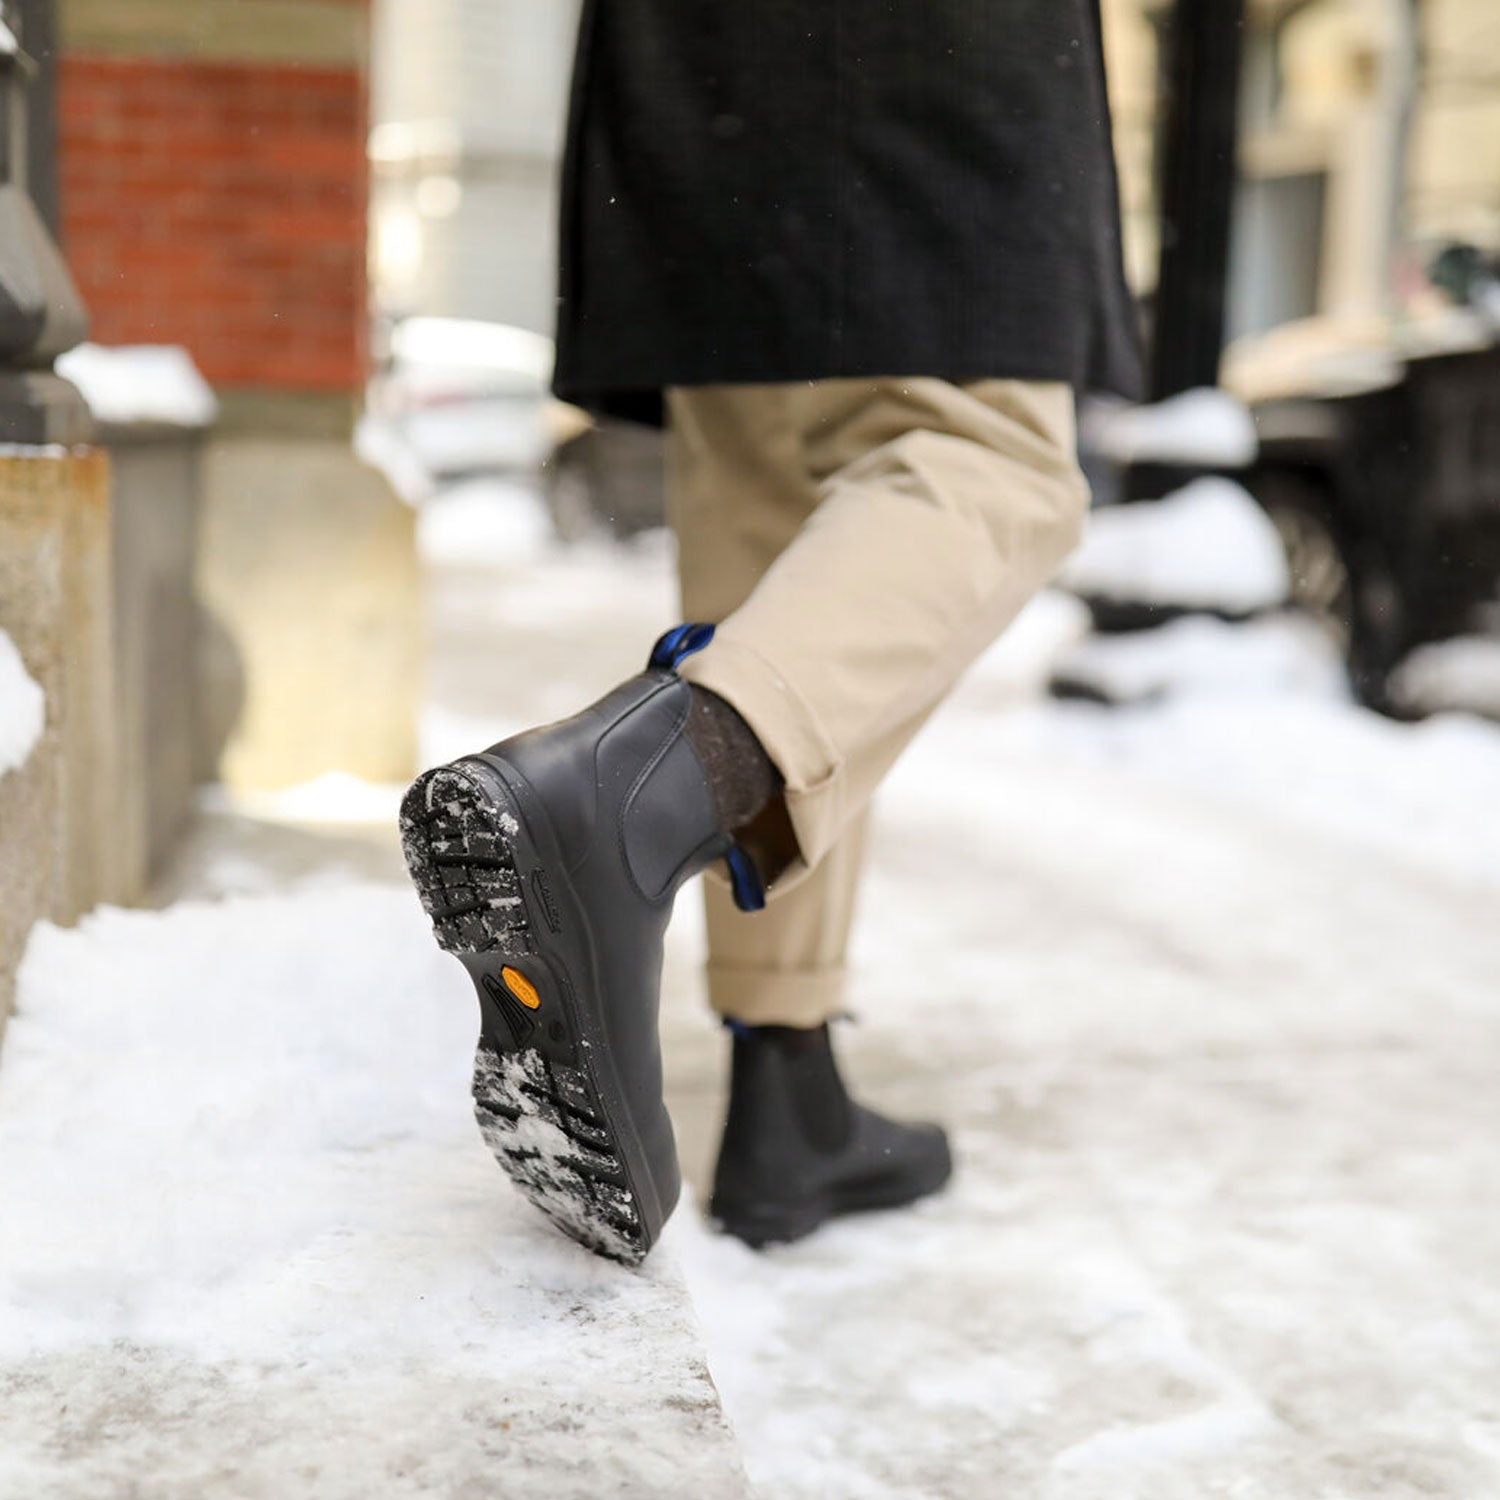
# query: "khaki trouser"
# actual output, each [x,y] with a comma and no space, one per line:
[859,543]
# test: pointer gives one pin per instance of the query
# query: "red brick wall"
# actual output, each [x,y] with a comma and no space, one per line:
[221,206]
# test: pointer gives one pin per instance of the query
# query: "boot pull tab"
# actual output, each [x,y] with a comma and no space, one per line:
[679,643]
[667,655]
[744,880]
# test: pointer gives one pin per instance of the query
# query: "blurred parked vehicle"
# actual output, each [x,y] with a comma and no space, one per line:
[1383,475]
[468,397]
[606,473]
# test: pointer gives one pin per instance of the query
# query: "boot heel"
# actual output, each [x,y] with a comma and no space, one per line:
[459,849]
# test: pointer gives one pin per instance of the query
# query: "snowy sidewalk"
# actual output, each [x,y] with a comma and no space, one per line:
[1222,1070]
[252,1245]
[1209,992]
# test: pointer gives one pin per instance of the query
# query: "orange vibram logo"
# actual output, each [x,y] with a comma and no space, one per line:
[521,987]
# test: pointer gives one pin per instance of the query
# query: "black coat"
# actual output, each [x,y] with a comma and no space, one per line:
[779,190]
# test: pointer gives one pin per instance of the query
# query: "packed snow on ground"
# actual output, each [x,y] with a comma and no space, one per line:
[330,799]
[1209,993]
[1412,794]
[252,1243]
[1286,653]
[1207,989]
[1018,666]
[23,708]
[1460,674]
[485,523]
[140,383]
[1205,428]
[1206,546]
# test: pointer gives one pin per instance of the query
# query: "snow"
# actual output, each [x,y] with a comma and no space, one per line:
[548,1150]
[1279,654]
[330,799]
[484,522]
[23,709]
[140,383]
[1018,666]
[1207,545]
[1206,989]
[1205,428]
[1208,994]
[253,1243]
[1462,674]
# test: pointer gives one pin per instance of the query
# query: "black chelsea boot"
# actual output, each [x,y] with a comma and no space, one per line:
[797,1150]
[548,865]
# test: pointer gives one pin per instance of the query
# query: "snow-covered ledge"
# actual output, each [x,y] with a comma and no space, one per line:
[137,385]
[253,1243]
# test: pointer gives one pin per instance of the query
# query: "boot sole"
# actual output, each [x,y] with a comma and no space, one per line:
[544,1100]
[762,1225]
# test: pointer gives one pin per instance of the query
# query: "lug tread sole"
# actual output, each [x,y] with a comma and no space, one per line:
[538,1111]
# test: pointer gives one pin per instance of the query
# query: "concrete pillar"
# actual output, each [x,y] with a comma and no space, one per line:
[90,743]
[55,818]
[308,559]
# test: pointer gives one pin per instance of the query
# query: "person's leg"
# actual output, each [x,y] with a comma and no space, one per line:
[549,862]
[931,514]
[787,965]
[942,509]
[739,489]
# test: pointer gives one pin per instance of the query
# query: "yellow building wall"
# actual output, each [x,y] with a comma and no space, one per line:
[1130,61]
[1332,59]
[1454,178]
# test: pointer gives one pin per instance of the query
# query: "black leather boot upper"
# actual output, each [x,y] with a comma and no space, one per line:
[631,817]
[548,865]
[797,1150]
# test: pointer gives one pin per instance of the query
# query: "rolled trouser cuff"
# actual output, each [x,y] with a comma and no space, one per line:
[791,736]
[777,997]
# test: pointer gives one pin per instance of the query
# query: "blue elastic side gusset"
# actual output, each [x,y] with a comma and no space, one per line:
[678,644]
[739,1028]
[744,879]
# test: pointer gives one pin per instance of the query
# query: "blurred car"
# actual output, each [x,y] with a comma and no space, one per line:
[468,397]
[464,397]
[1386,491]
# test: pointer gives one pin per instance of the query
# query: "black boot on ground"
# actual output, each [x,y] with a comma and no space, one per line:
[797,1150]
[548,865]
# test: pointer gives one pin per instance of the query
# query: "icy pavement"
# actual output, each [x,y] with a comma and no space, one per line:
[1209,990]
[1222,1074]
[252,1244]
